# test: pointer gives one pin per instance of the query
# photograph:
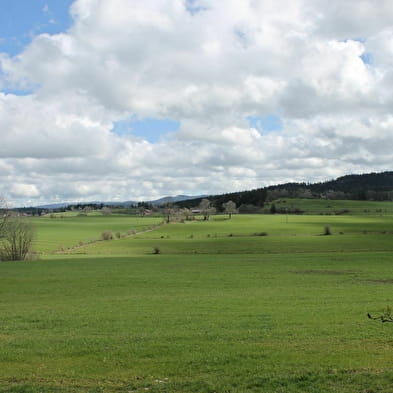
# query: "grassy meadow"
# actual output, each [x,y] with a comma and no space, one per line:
[257,303]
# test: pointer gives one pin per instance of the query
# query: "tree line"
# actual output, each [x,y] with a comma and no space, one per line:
[371,186]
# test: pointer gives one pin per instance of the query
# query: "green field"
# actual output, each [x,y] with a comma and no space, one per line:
[56,234]
[258,303]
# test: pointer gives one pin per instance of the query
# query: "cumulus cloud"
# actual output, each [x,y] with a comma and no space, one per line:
[19,190]
[208,66]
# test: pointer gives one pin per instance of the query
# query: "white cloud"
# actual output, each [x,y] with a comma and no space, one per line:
[208,69]
[19,190]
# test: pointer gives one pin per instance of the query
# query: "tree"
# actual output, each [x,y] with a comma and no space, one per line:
[3,217]
[17,239]
[206,209]
[186,213]
[106,211]
[229,208]
[169,212]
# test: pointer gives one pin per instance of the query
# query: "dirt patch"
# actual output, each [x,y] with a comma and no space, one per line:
[326,272]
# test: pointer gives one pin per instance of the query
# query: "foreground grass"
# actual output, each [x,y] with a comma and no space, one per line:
[197,323]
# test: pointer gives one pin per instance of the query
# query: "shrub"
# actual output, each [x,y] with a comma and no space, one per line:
[156,250]
[107,235]
[118,235]
[340,212]
[327,230]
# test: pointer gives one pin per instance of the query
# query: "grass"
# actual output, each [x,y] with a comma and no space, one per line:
[55,234]
[212,312]
[207,324]
[241,235]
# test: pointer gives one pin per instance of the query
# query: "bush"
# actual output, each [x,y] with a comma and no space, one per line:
[327,230]
[340,212]
[118,235]
[156,250]
[107,235]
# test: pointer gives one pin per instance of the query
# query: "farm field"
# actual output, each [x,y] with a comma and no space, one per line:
[54,234]
[257,303]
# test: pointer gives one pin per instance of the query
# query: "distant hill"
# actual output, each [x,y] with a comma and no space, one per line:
[173,199]
[370,186]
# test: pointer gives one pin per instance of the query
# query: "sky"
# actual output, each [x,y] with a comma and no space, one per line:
[115,100]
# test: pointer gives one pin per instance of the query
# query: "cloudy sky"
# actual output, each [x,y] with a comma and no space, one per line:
[130,99]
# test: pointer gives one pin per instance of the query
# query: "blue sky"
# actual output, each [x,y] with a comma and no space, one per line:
[268,123]
[21,20]
[150,129]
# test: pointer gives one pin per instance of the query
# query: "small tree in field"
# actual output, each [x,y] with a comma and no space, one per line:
[17,240]
[106,211]
[206,209]
[229,208]
[3,217]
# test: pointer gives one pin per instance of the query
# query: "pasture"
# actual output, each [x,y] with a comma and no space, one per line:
[258,303]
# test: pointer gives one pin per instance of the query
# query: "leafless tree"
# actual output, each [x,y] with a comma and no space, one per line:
[106,211]
[229,208]
[206,209]
[4,215]
[17,240]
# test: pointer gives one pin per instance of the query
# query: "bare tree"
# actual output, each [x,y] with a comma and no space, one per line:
[17,240]
[106,211]
[186,213]
[3,217]
[169,212]
[229,208]
[206,209]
